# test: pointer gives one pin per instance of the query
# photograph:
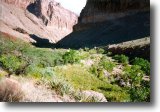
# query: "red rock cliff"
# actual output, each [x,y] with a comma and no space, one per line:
[19,3]
[53,14]
[43,18]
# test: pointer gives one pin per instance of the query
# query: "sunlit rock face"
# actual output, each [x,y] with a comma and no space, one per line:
[103,10]
[45,19]
[18,3]
[53,14]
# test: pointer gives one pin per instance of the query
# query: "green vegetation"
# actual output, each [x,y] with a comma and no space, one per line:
[107,64]
[11,63]
[99,68]
[122,59]
[81,79]
[144,64]
[63,71]
[71,56]
[139,89]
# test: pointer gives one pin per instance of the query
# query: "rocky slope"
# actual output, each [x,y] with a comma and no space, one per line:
[135,48]
[104,22]
[36,20]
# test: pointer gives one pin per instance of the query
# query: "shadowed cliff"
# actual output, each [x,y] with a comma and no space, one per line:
[104,22]
[119,30]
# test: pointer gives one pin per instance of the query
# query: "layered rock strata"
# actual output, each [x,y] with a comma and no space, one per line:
[35,20]
[97,11]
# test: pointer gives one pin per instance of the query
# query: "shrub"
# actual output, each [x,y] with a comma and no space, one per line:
[109,53]
[103,64]
[107,64]
[139,90]
[43,57]
[97,71]
[93,51]
[100,50]
[61,86]
[11,63]
[71,56]
[144,64]
[39,73]
[121,59]
[140,94]
[133,74]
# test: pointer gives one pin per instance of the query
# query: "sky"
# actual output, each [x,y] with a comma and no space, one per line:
[73,5]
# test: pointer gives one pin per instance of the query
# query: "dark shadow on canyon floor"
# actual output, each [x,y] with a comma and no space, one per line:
[42,43]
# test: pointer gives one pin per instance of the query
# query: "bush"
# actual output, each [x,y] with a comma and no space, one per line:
[140,94]
[43,57]
[11,63]
[61,86]
[139,90]
[133,74]
[71,56]
[93,51]
[144,64]
[103,64]
[100,51]
[39,73]
[107,64]
[121,59]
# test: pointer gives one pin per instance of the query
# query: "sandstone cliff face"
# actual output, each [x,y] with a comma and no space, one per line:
[103,10]
[18,3]
[52,14]
[27,19]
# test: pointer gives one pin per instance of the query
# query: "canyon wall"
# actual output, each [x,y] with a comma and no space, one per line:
[104,22]
[103,10]
[18,3]
[32,20]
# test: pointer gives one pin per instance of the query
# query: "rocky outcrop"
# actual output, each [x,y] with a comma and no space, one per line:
[35,20]
[136,48]
[52,14]
[103,10]
[92,96]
